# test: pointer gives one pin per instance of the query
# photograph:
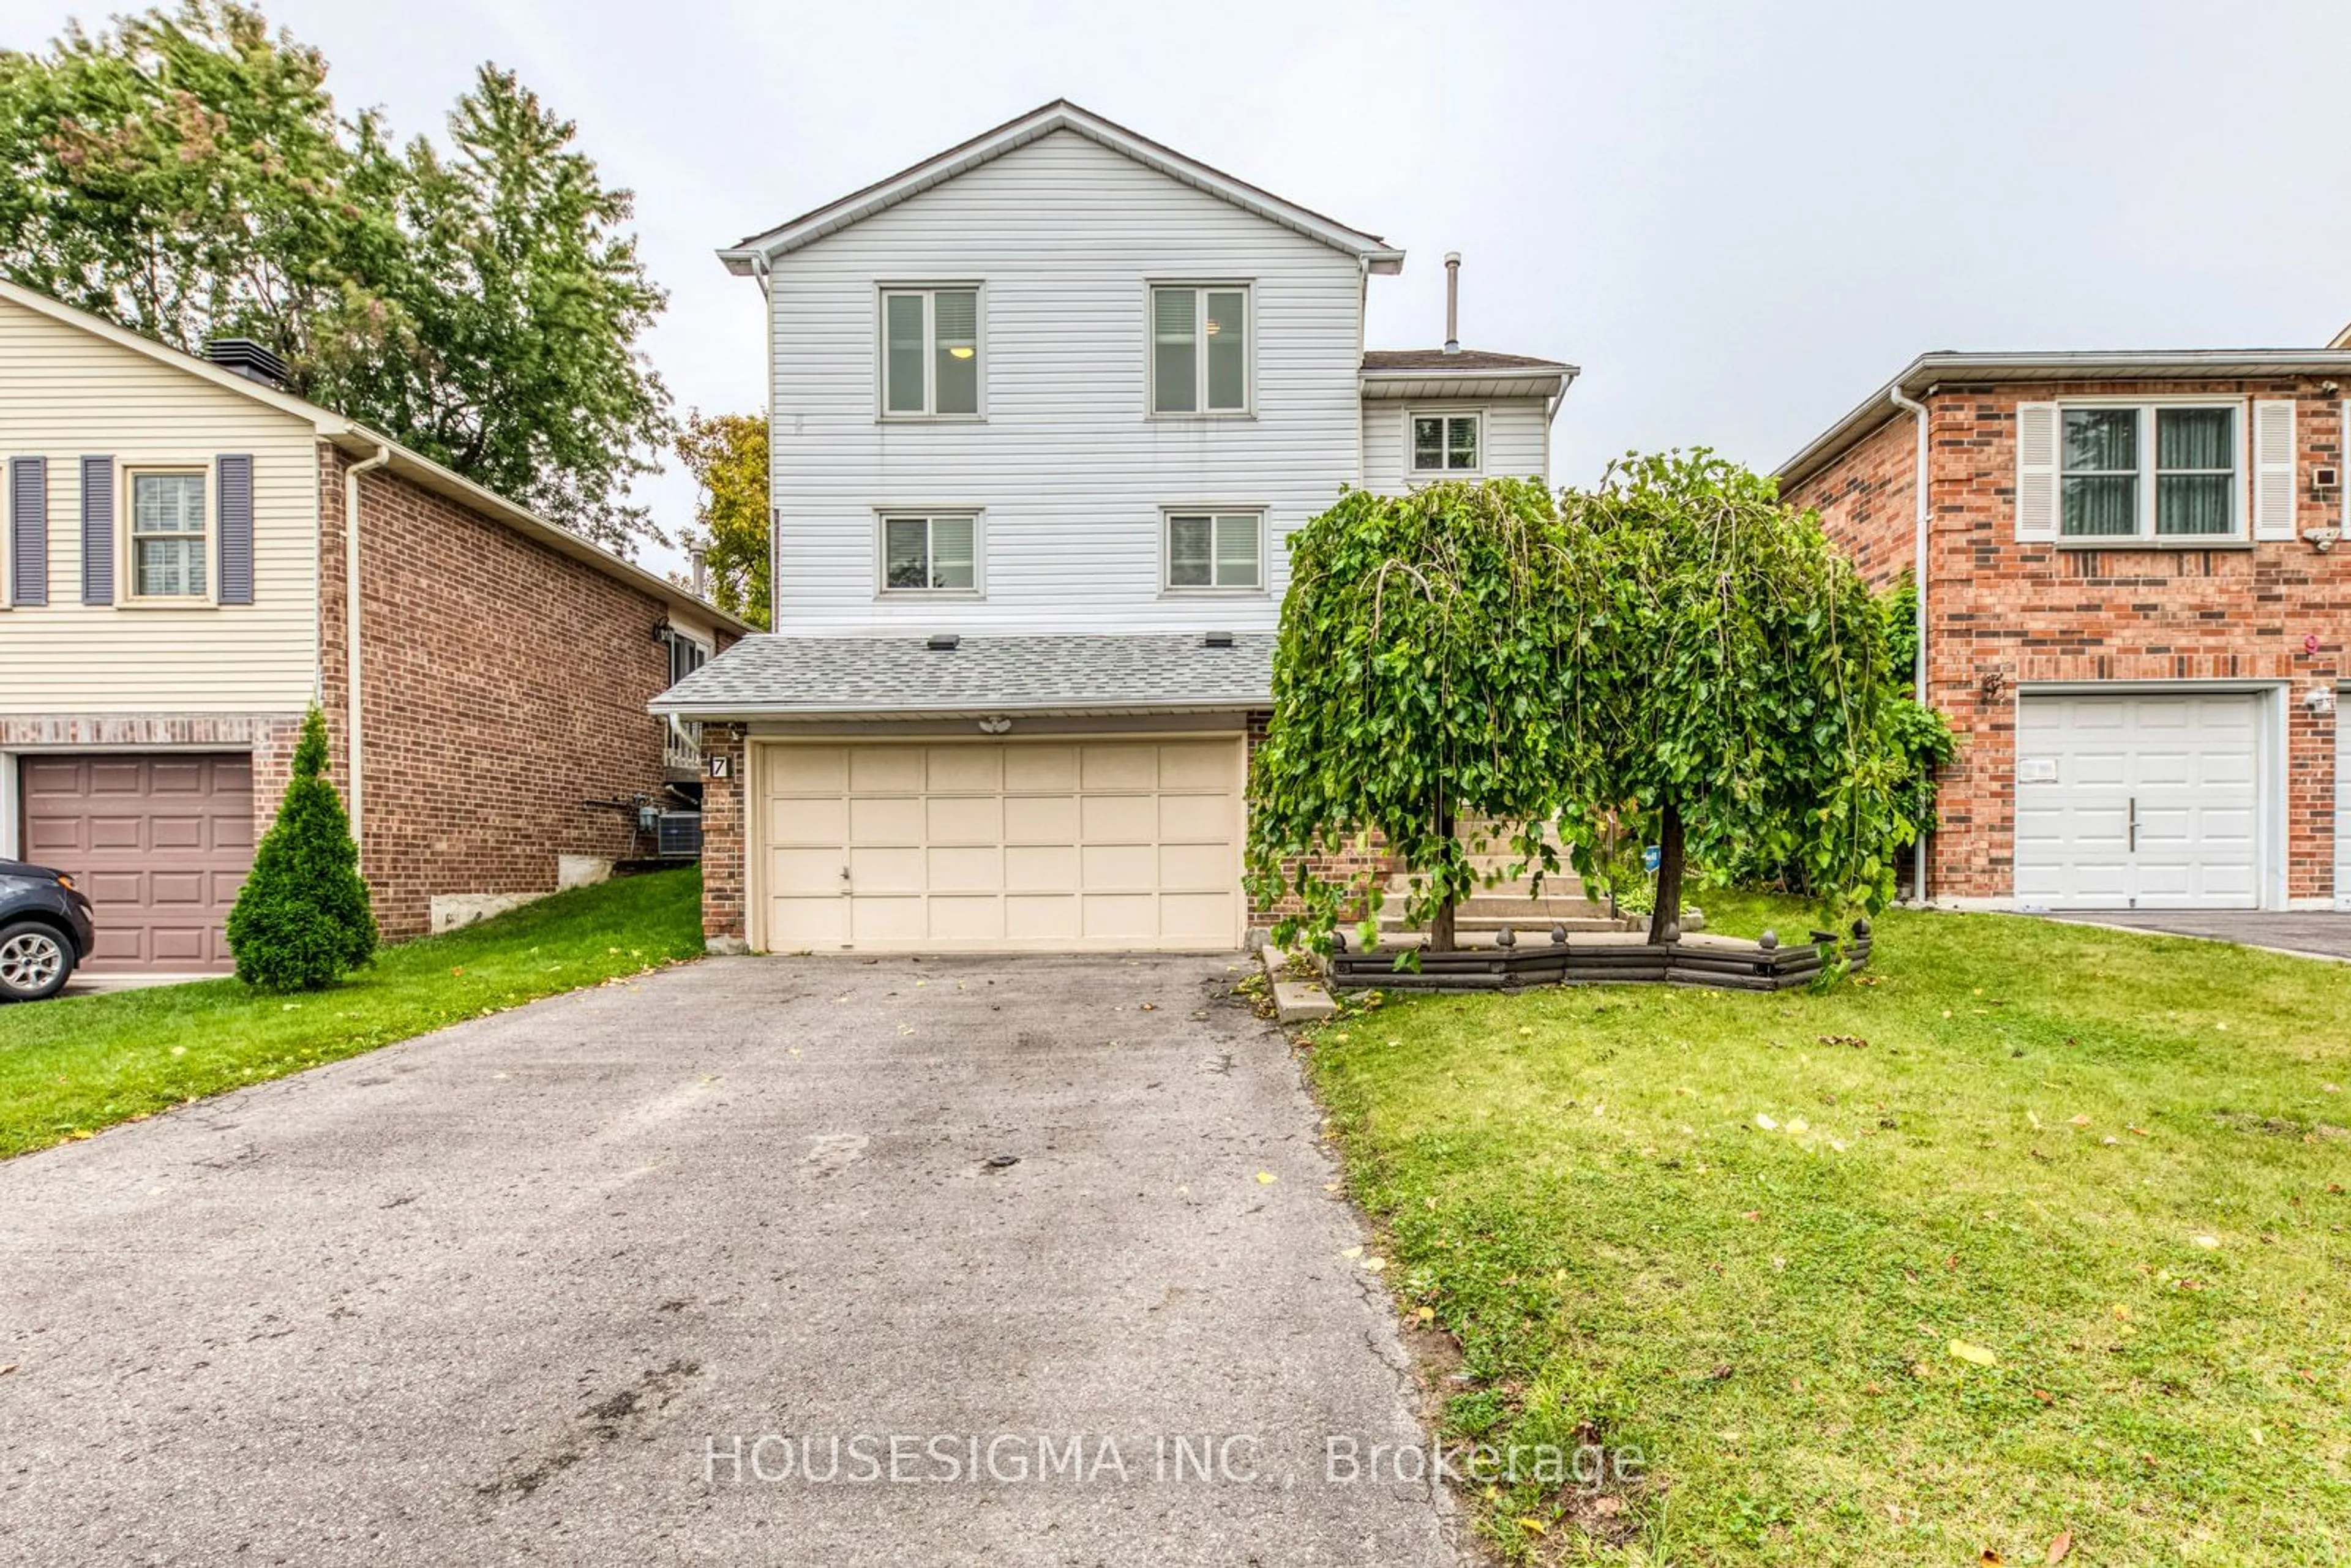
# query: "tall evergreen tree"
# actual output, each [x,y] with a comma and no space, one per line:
[302,920]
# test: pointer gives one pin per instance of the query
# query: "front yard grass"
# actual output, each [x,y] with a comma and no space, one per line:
[2039,1229]
[71,1066]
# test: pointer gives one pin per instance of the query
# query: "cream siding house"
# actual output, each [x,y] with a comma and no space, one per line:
[1046,408]
[176,541]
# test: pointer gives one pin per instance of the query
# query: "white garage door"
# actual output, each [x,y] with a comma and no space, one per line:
[1049,845]
[2138,803]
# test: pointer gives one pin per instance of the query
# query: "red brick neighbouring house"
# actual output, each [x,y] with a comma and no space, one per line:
[172,596]
[2135,616]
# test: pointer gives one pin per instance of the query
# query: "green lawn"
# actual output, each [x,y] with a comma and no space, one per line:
[71,1066]
[2038,1229]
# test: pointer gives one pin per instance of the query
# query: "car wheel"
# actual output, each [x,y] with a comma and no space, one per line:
[34,962]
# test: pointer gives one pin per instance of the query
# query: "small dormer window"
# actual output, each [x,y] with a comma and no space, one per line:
[1447,442]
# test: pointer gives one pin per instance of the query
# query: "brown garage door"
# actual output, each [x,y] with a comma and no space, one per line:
[161,843]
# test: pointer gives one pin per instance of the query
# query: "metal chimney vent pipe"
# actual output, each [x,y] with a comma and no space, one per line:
[1452,301]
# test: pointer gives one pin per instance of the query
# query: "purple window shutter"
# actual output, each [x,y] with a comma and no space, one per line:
[28,530]
[97,544]
[235,529]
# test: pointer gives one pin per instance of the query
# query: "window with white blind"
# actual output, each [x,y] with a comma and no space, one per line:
[1211,551]
[1200,348]
[930,353]
[1447,443]
[169,533]
[929,554]
[2150,471]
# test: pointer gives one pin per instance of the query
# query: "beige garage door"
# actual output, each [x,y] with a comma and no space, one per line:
[1047,845]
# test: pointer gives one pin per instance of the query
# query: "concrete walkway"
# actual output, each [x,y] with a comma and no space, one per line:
[537,1287]
[2320,934]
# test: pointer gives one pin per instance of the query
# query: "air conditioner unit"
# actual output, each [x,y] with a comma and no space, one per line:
[677,835]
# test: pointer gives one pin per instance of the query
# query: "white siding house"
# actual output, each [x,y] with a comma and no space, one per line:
[1046,408]
[1065,470]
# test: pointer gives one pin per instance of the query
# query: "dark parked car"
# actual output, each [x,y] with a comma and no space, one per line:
[44,931]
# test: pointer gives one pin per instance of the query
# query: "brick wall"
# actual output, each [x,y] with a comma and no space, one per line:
[723,866]
[1868,500]
[1337,866]
[2004,613]
[505,685]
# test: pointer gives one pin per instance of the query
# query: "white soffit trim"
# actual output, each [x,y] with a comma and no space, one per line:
[1059,115]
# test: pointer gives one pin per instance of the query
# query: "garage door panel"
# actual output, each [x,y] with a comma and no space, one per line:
[1196,767]
[1106,766]
[1041,868]
[965,868]
[178,889]
[968,769]
[1203,818]
[979,844]
[818,922]
[794,872]
[1205,919]
[885,819]
[50,838]
[895,870]
[897,769]
[804,821]
[1121,917]
[963,818]
[1118,868]
[1117,818]
[2139,800]
[1050,768]
[1041,919]
[808,769]
[117,777]
[966,918]
[1194,867]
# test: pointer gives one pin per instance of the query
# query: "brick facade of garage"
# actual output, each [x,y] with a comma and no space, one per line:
[2005,612]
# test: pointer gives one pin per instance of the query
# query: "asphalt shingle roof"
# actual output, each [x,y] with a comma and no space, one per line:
[785,675]
[1378,359]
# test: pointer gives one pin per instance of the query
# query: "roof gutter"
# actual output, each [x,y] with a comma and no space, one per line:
[1918,412]
[352,710]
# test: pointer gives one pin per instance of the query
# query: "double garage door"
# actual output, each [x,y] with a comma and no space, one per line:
[2144,801]
[1052,844]
[159,841]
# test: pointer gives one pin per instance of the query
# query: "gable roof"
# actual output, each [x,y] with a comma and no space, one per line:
[1929,370]
[1059,115]
[357,440]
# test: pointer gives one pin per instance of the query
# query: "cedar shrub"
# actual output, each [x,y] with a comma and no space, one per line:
[302,920]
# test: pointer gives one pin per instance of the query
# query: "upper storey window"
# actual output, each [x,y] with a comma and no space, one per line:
[1447,443]
[1200,348]
[2168,471]
[930,353]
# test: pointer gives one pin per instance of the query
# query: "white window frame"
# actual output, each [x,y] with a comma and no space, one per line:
[929,293]
[2147,538]
[1476,470]
[1246,288]
[127,474]
[884,516]
[1212,510]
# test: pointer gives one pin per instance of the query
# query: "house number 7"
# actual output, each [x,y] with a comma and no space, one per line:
[719,767]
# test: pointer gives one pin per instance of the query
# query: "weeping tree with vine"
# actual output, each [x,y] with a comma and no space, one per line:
[1735,698]
[1416,690]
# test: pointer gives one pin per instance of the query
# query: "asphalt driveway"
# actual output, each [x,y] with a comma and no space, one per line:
[603,1279]
[2322,934]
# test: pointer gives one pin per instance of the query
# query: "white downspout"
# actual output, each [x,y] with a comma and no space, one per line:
[352,632]
[1918,412]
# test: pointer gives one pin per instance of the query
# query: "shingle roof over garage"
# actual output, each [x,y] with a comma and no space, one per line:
[904,677]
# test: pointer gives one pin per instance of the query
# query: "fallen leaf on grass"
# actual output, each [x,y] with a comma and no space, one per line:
[2061,1547]
[1753,1213]
[2081,1121]
[1973,1352]
[2205,1241]
[1266,1178]
[1766,1123]
[1531,1522]
[1990,1559]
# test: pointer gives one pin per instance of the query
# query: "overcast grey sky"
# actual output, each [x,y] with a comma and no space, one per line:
[1739,219]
